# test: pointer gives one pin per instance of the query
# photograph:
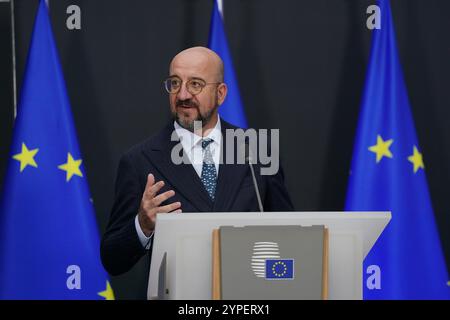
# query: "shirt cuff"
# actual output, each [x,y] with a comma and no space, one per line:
[145,241]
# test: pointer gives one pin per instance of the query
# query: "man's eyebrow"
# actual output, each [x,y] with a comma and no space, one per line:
[197,78]
[191,78]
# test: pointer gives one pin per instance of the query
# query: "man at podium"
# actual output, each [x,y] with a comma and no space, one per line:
[151,180]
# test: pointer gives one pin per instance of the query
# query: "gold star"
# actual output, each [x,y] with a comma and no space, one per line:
[26,157]
[71,167]
[382,148]
[108,294]
[417,160]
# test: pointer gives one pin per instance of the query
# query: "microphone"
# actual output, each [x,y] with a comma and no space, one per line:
[249,159]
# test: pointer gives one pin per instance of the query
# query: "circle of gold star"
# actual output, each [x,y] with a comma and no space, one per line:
[282,273]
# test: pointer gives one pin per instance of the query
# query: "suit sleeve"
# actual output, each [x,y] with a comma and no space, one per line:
[120,246]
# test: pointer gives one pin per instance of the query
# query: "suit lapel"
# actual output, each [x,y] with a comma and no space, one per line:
[182,177]
[230,176]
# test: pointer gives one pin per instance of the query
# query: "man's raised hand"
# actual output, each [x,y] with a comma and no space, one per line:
[150,204]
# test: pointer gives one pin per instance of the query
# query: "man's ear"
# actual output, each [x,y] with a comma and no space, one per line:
[222,91]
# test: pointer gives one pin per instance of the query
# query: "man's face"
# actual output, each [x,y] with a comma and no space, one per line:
[187,107]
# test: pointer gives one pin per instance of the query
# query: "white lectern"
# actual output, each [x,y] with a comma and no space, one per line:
[181,265]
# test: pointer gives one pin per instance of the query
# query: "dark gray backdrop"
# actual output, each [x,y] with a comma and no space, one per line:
[300,66]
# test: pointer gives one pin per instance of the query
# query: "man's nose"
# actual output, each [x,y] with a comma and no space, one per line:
[184,94]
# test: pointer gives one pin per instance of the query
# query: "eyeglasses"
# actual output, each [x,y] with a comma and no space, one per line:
[193,86]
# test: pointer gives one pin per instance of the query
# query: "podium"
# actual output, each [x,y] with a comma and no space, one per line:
[181,264]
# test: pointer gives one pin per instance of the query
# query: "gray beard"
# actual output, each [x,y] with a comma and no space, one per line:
[189,125]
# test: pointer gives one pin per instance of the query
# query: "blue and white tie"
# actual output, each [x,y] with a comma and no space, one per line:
[209,174]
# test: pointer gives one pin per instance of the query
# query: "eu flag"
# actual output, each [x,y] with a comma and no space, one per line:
[49,243]
[281,269]
[232,109]
[388,174]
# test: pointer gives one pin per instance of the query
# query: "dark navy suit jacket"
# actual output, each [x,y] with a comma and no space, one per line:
[235,192]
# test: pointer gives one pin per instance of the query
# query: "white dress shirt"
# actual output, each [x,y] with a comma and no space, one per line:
[192,146]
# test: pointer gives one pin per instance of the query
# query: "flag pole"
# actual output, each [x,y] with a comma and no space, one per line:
[220,7]
[13,53]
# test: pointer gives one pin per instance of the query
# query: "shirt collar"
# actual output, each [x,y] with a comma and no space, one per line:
[190,139]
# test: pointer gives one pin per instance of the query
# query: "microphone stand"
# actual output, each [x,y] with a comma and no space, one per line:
[255,184]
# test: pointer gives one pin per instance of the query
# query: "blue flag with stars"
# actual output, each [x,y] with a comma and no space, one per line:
[388,174]
[232,109]
[49,242]
[279,269]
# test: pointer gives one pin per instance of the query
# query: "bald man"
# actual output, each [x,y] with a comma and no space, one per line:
[149,182]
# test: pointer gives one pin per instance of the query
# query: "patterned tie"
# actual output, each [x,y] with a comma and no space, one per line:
[209,173]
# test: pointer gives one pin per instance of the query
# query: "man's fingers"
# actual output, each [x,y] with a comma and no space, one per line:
[162,197]
[150,182]
[153,190]
[169,208]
